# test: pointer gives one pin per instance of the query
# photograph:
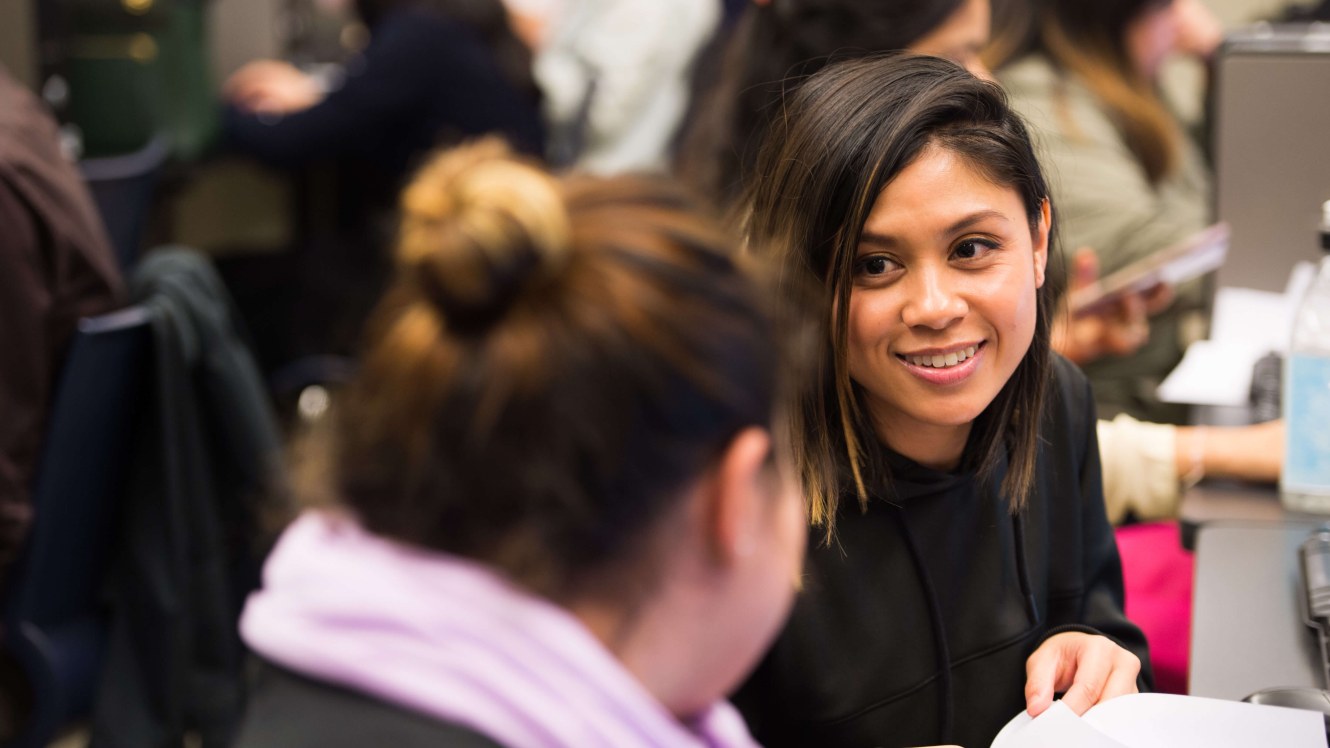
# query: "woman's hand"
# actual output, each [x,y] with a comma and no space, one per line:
[1088,668]
[1116,329]
[272,87]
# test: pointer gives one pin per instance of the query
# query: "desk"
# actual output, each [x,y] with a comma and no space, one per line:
[1247,630]
[1228,501]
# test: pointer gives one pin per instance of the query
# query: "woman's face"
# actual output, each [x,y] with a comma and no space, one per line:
[960,38]
[943,302]
[1151,37]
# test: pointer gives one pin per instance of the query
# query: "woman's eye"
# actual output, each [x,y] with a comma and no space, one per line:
[971,248]
[876,265]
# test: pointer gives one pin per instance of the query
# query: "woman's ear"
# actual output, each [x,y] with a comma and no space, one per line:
[737,496]
[1040,240]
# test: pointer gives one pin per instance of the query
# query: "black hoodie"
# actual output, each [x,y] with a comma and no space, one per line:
[943,573]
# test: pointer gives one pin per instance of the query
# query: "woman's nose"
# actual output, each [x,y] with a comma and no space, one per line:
[933,299]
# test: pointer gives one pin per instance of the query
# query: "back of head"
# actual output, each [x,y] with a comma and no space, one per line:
[847,132]
[775,46]
[555,363]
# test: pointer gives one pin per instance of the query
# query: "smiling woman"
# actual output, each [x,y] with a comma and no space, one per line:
[967,569]
[942,308]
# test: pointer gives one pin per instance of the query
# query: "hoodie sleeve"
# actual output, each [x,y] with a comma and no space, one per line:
[1102,606]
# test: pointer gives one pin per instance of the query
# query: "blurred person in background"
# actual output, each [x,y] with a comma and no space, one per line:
[775,45]
[56,265]
[434,73]
[1127,177]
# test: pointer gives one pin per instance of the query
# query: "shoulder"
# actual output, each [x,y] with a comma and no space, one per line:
[290,711]
[1067,377]
[1054,102]
[1028,75]
[1069,402]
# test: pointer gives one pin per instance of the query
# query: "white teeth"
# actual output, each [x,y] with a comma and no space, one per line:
[943,361]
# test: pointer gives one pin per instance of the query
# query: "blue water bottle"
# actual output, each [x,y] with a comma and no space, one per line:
[1304,484]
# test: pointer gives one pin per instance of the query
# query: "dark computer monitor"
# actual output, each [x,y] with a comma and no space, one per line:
[1271,141]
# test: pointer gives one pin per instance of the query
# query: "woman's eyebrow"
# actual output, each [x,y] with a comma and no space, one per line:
[879,240]
[884,241]
[973,218]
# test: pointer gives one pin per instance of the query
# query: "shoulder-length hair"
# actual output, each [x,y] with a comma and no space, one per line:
[846,134]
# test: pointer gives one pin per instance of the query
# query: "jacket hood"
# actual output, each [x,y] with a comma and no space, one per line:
[455,640]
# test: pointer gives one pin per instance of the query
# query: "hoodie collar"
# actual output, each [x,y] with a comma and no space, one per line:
[453,639]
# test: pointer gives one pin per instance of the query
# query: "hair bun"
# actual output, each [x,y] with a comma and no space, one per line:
[478,225]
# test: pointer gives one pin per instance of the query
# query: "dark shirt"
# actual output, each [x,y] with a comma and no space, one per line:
[289,711]
[941,573]
[56,265]
[423,81]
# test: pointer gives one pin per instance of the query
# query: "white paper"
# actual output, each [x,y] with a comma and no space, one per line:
[1058,727]
[1157,720]
[1245,325]
[1210,373]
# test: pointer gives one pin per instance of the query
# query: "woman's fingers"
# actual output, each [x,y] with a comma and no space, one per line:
[1089,668]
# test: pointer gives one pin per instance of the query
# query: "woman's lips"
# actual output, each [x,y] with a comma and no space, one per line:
[944,369]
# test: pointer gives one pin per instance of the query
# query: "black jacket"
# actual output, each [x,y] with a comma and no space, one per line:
[943,573]
[423,82]
[190,546]
[290,711]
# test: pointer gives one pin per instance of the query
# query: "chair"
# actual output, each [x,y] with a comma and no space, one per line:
[55,621]
[122,187]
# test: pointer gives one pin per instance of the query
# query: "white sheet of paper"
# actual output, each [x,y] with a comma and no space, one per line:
[1156,720]
[1245,325]
[1210,373]
[1058,727]
[1161,720]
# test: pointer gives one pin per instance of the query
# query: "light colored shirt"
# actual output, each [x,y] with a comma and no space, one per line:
[639,53]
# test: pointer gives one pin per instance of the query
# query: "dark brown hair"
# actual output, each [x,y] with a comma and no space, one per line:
[555,363]
[847,132]
[775,47]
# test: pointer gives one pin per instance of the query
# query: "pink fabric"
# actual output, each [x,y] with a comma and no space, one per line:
[1157,573]
[452,638]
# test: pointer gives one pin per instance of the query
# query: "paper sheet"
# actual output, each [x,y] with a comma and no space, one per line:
[1059,727]
[1156,720]
[1211,373]
[1245,325]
